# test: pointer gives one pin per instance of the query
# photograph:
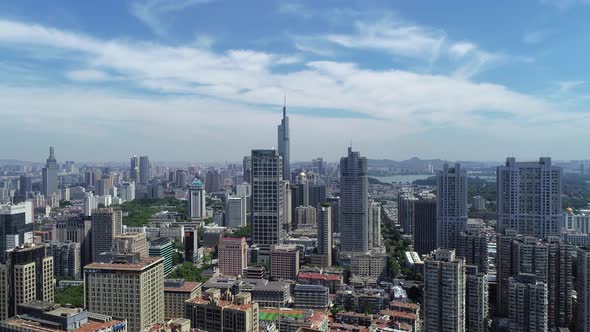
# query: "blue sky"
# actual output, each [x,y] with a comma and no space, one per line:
[203,80]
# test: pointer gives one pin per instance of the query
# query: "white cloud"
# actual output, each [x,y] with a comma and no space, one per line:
[88,75]
[567,86]
[461,49]
[151,12]
[294,8]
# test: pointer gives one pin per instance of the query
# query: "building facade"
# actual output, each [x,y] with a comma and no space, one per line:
[66,259]
[528,304]
[49,175]
[233,256]
[284,262]
[451,205]
[197,207]
[106,224]
[176,293]
[16,226]
[284,144]
[354,203]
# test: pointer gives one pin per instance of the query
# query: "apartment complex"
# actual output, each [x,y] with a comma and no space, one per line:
[228,313]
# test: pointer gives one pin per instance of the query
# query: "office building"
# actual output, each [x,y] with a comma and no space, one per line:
[40,316]
[49,175]
[127,191]
[191,247]
[162,247]
[129,243]
[126,286]
[214,312]
[284,144]
[16,226]
[134,170]
[144,170]
[287,207]
[473,246]
[232,256]
[405,211]
[284,262]
[103,186]
[106,224]
[76,229]
[528,304]
[425,224]
[66,259]
[247,169]
[213,181]
[583,289]
[324,228]
[197,208]
[444,292]
[311,297]
[235,212]
[354,229]
[476,300]
[374,215]
[318,166]
[451,205]
[176,293]
[335,203]
[25,276]
[181,178]
[305,216]
[267,198]
[316,194]
[25,185]
[529,197]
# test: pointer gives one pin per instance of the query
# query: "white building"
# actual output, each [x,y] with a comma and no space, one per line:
[90,203]
[196,200]
[127,192]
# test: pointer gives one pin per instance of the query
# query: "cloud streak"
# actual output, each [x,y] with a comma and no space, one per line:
[152,12]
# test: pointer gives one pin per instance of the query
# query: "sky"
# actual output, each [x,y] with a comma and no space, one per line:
[205,80]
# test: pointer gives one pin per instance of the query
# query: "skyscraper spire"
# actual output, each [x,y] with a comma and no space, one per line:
[283,141]
[284,105]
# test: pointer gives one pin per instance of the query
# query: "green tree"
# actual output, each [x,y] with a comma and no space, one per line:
[70,295]
[187,271]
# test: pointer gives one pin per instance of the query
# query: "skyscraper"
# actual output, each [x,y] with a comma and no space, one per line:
[197,208]
[374,216]
[444,292]
[354,203]
[247,169]
[476,299]
[451,205]
[235,212]
[583,289]
[473,246]
[134,169]
[213,181]
[284,144]
[324,227]
[425,224]
[405,211]
[16,226]
[66,259]
[529,197]
[106,224]
[144,170]
[76,229]
[528,304]
[25,185]
[49,175]
[233,256]
[267,198]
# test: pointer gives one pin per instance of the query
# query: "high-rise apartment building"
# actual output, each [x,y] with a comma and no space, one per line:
[267,198]
[106,224]
[16,226]
[473,246]
[583,289]
[305,216]
[476,300]
[126,286]
[406,211]
[529,197]
[354,203]
[451,205]
[528,304]
[324,228]
[127,191]
[425,224]
[66,259]
[444,292]
[284,144]
[284,262]
[374,215]
[233,256]
[76,229]
[129,243]
[144,170]
[213,181]
[134,169]
[49,175]
[235,212]
[25,276]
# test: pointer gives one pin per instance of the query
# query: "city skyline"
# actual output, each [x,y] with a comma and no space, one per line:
[356,72]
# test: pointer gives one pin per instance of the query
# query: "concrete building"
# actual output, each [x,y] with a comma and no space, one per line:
[444,292]
[191,246]
[127,191]
[76,229]
[176,293]
[144,170]
[213,181]
[66,259]
[284,144]
[216,313]
[369,266]
[40,316]
[232,256]
[284,262]
[354,231]
[425,224]
[451,205]
[49,175]
[529,197]
[16,226]
[476,300]
[247,169]
[305,216]
[267,198]
[406,211]
[25,185]
[287,207]
[473,246]
[126,286]
[106,224]
[235,212]
[197,205]
[129,243]
[162,247]
[374,215]
[324,228]
[134,169]
[583,289]
[181,178]
[311,297]
[479,203]
[25,276]
[528,304]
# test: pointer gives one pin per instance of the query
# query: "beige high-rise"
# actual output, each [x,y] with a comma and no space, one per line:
[284,262]
[126,286]
[128,243]
[233,256]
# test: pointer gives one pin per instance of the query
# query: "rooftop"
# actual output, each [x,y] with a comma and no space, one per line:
[142,264]
[186,287]
[311,275]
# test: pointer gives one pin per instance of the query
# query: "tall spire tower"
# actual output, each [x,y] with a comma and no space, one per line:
[283,142]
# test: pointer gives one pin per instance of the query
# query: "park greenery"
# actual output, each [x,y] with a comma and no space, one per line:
[140,211]
[70,295]
[187,271]
[245,231]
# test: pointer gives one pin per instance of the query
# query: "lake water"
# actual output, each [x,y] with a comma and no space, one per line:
[408,178]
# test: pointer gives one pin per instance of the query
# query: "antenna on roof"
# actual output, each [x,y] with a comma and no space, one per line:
[284,104]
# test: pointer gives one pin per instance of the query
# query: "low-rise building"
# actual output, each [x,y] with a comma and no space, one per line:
[311,296]
[176,292]
[216,313]
[332,281]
